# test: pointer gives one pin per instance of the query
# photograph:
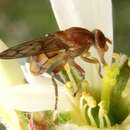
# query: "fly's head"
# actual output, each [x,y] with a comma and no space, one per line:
[100,43]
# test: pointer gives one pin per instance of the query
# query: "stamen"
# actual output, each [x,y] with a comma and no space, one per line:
[87,100]
[91,104]
[101,120]
[103,117]
[91,118]
[68,70]
[69,86]
[108,123]
[83,108]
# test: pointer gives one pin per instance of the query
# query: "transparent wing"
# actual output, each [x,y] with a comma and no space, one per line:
[35,47]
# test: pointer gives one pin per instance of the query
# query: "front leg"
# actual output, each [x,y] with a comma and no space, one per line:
[93,61]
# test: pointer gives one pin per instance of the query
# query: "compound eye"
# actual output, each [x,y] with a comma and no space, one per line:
[100,40]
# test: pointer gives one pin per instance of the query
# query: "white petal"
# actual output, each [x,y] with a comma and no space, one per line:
[31,98]
[75,127]
[10,71]
[89,14]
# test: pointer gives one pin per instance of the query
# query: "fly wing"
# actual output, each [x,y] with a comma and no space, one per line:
[48,45]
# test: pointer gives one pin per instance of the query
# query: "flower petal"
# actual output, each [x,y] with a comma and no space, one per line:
[10,71]
[89,14]
[32,98]
[75,127]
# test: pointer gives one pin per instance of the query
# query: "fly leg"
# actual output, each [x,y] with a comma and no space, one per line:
[78,67]
[56,90]
[56,96]
[54,73]
[93,61]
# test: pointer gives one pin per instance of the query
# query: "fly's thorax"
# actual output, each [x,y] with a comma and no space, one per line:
[76,37]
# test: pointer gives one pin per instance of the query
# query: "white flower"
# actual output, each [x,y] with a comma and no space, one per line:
[38,94]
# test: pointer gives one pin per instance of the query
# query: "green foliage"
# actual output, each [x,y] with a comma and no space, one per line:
[121,22]
[24,20]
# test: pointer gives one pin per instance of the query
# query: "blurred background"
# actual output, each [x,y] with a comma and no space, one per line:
[22,20]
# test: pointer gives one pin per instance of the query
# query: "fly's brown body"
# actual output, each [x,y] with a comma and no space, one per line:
[59,48]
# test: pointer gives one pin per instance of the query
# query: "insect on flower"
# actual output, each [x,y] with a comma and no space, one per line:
[53,51]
